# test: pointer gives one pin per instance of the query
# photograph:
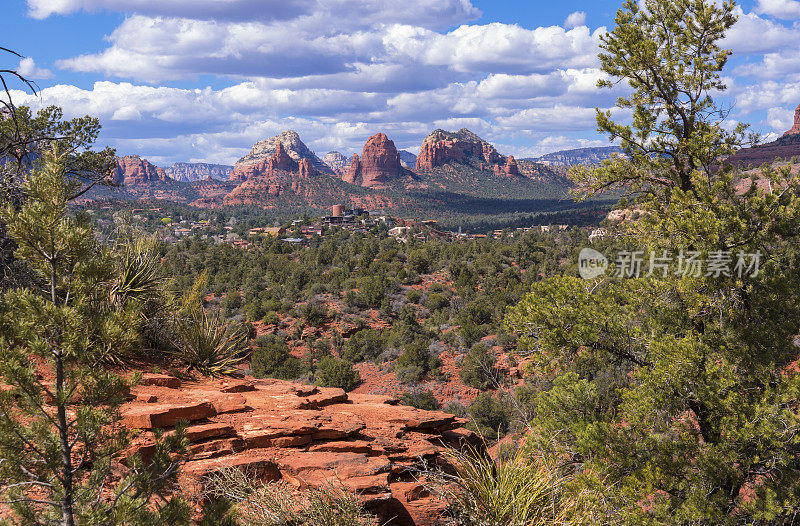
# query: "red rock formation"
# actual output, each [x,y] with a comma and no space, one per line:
[511,169]
[441,147]
[490,155]
[132,169]
[796,128]
[305,168]
[380,163]
[280,160]
[353,174]
[304,435]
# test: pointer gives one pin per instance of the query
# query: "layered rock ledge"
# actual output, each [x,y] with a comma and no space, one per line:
[309,436]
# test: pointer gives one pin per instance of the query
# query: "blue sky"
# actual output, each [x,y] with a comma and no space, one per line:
[202,80]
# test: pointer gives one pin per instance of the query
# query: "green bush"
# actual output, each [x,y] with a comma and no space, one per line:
[437,301]
[417,354]
[418,261]
[271,318]
[476,369]
[420,399]
[272,359]
[489,415]
[414,296]
[363,345]
[335,372]
[231,302]
[314,314]
[415,362]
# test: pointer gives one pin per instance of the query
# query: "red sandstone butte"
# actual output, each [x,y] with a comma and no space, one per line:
[132,169]
[379,163]
[796,128]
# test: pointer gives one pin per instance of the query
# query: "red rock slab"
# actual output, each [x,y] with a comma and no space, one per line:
[160,380]
[232,403]
[353,470]
[429,420]
[348,446]
[291,441]
[216,448]
[261,438]
[405,417]
[327,396]
[165,415]
[237,386]
[282,387]
[361,398]
[264,429]
[421,507]
[418,449]
[206,431]
[460,438]
[339,424]
[261,400]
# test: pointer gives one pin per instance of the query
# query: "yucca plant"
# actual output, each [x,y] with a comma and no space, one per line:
[518,491]
[138,272]
[207,346]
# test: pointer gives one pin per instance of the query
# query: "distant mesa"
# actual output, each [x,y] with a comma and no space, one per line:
[407,159]
[786,147]
[578,156]
[190,172]
[378,166]
[336,162]
[133,170]
[284,152]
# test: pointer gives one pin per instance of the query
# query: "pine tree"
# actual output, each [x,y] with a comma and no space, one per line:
[61,441]
[677,394]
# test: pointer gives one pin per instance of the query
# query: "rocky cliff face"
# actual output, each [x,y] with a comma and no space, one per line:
[441,147]
[190,172]
[336,162]
[378,166]
[132,169]
[511,169]
[282,152]
[796,128]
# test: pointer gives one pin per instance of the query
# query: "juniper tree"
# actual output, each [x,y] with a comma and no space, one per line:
[60,439]
[675,394]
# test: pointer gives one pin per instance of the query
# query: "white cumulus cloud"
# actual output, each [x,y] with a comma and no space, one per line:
[578,18]
[786,9]
[28,69]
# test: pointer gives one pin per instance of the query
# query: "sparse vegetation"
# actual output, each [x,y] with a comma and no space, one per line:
[260,503]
